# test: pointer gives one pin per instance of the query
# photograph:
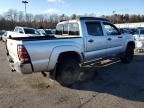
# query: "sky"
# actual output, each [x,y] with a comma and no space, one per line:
[79,7]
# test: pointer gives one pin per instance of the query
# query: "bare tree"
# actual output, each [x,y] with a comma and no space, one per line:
[21,16]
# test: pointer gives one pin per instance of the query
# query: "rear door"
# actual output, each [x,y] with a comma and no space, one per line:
[96,42]
[114,38]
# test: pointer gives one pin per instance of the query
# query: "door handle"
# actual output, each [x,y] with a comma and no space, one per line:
[119,36]
[91,41]
[109,39]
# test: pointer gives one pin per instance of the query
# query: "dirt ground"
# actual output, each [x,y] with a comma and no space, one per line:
[105,85]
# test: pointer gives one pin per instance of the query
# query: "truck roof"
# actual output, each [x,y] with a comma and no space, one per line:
[24,27]
[93,18]
[85,18]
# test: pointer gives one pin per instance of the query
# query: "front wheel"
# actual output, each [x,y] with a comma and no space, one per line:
[128,55]
[68,71]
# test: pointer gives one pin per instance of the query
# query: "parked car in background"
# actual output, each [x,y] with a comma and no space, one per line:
[46,32]
[42,32]
[127,30]
[24,32]
[139,39]
[6,35]
[53,31]
[1,33]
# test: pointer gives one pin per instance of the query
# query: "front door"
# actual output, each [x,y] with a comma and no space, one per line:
[114,38]
[96,42]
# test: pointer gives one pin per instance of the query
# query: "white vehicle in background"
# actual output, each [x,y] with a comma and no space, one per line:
[139,39]
[1,33]
[24,32]
[6,35]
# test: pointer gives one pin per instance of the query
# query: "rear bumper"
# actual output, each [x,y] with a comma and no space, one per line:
[24,68]
[21,68]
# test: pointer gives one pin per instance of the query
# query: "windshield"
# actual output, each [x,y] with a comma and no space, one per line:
[30,31]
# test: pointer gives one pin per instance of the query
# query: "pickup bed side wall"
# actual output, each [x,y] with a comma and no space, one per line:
[61,49]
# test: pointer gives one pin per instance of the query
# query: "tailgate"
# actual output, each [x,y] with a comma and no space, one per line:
[12,48]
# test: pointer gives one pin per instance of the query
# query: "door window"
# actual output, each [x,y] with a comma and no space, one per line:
[20,31]
[111,29]
[94,28]
[73,29]
[70,29]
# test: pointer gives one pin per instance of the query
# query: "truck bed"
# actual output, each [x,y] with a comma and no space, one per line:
[36,38]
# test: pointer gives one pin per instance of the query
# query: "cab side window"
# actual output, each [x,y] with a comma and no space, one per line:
[65,30]
[71,29]
[111,29]
[59,29]
[94,28]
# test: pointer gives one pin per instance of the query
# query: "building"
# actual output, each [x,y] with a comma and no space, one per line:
[130,25]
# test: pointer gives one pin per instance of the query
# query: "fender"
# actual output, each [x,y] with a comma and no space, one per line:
[128,38]
[61,49]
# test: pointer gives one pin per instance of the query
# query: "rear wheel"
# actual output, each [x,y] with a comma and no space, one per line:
[67,71]
[128,55]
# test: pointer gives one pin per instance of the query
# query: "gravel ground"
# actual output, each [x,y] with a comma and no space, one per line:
[108,84]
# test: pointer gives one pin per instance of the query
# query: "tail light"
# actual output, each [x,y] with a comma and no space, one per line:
[23,54]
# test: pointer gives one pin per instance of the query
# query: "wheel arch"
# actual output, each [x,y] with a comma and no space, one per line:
[64,51]
[131,43]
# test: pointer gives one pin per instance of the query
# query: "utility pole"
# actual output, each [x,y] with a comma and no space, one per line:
[25,3]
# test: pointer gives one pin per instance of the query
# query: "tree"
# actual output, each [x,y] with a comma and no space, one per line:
[13,18]
[74,16]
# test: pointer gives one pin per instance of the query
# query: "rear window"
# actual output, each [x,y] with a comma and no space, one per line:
[67,29]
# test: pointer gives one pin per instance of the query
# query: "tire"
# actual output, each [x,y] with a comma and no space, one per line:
[128,55]
[67,71]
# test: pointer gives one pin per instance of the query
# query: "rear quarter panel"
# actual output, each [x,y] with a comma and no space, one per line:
[44,53]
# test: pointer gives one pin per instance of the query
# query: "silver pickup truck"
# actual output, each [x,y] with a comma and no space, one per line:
[75,43]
